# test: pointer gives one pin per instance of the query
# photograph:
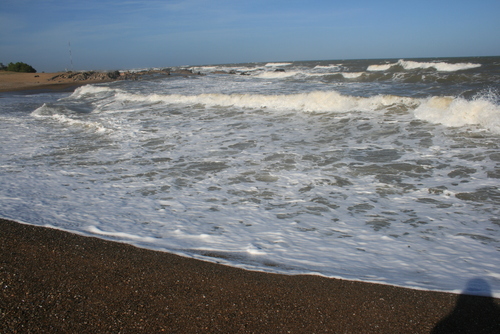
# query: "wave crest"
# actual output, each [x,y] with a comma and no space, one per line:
[317,101]
[60,115]
[277,64]
[456,112]
[412,65]
[482,110]
[91,90]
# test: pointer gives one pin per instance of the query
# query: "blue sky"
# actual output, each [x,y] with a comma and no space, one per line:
[126,34]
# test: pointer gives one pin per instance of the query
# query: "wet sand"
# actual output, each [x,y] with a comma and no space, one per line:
[57,282]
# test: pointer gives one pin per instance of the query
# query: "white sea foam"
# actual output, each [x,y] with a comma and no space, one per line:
[382,67]
[276,74]
[58,114]
[352,75]
[277,64]
[455,112]
[206,69]
[94,90]
[328,67]
[318,101]
[448,111]
[341,178]
[320,74]
[91,126]
[119,235]
[411,65]
[143,69]
[440,66]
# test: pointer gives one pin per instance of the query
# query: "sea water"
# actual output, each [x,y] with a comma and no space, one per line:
[375,170]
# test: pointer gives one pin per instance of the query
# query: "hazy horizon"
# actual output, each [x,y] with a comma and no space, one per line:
[111,34]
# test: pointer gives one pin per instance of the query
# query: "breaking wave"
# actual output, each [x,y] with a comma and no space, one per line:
[396,170]
[276,75]
[61,114]
[327,67]
[317,101]
[482,110]
[412,65]
[456,112]
[278,64]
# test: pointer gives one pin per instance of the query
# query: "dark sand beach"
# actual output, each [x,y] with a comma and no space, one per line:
[57,282]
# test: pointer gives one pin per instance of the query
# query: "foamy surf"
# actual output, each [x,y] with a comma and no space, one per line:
[449,111]
[384,176]
[61,115]
[307,102]
[277,64]
[458,112]
[412,65]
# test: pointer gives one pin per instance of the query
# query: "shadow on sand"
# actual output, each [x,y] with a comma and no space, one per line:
[475,312]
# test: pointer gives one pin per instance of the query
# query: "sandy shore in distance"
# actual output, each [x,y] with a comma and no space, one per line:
[57,282]
[15,81]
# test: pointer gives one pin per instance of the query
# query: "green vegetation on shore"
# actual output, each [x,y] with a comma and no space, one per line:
[18,67]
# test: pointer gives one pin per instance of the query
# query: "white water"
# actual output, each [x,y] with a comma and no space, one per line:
[412,65]
[449,111]
[456,112]
[266,174]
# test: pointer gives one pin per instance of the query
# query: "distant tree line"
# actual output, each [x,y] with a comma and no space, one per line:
[18,67]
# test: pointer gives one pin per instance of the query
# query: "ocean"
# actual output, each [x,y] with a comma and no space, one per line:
[381,171]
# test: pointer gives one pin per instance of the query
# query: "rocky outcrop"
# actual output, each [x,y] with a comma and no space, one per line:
[88,76]
[116,75]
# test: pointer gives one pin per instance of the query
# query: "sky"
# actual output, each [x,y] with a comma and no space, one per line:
[55,35]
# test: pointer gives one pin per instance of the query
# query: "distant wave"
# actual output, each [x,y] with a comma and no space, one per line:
[277,64]
[411,65]
[328,67]
[276,75]
[352,75]
[383,67]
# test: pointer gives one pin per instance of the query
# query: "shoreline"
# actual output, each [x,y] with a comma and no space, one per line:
[16,82]
[54,281]
[68,81]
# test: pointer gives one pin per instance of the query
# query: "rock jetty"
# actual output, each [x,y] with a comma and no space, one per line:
[117,75]
[87,76]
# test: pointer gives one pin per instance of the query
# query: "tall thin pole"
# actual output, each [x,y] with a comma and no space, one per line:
[70,56]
